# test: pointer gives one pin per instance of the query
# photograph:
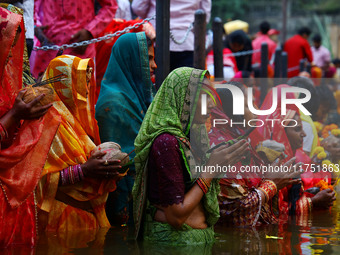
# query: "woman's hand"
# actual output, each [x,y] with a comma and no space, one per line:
[97,167]
[283,179]
[26,111]
[324,199]
[227,155]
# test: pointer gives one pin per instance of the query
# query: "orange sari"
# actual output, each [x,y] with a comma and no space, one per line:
[80,206]
[21,163]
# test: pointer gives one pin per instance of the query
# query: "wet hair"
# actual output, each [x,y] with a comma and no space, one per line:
[227,100]
[317,38]
[264,27]
[303,82]
[326,96]
[304,30]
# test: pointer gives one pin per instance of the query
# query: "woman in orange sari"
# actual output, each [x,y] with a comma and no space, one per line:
[26,133]
[74,185]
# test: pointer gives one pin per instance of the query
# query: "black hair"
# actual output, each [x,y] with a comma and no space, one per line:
[264,27]
[317,38]
[227,100]
[149,42]
[304,30]
[303,82]
[238,36]
[336,61]
[326,96]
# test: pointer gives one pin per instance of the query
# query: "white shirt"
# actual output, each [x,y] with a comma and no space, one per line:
[182,14]
[28,7]
[124,10]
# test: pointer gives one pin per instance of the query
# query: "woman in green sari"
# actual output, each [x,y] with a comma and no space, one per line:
[125,95]
[174,205]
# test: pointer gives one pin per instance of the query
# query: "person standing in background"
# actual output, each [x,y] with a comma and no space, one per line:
[59,22]
[263,38]
[321,55]
[182,15]
[297,48]
[124,10]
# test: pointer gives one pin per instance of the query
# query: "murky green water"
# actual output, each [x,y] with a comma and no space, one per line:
[319,235]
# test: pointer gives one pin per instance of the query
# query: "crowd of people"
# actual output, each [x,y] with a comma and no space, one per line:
[57,114]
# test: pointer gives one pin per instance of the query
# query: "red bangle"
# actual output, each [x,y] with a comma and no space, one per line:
[202,184]
[269,189]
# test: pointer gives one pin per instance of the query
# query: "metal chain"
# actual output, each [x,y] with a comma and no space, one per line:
[95,40]
[185,36]
[293,68]
[243,53]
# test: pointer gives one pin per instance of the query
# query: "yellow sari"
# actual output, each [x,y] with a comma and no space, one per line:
[82,205]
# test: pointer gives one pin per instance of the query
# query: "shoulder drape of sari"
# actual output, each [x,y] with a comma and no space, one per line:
[22,162]
[126,91]
[103,47]
[76,137]
[26,74]
[170,113]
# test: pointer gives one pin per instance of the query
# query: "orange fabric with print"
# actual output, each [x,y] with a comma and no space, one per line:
[76,137]
[21,163]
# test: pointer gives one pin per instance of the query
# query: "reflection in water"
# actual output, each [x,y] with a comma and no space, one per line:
[318,235]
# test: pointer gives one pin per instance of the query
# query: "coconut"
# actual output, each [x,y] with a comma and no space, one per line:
[113,151]
[271,150]
[33,92]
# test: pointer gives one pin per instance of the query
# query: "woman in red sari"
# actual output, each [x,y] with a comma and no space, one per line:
[245,198]
[21,127]
[292,199]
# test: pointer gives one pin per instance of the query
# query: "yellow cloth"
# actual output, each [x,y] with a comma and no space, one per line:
[309,120]
[234,25]
[76,137]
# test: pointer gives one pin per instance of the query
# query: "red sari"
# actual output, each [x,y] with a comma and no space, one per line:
[21,163]
[238,200]
[290,201]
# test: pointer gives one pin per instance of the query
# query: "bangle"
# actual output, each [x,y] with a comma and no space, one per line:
[269,188]
[81,173]
[71,175]
[259,210]
[203,185]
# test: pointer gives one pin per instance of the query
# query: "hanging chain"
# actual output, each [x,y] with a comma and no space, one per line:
[95,40]
[185,36]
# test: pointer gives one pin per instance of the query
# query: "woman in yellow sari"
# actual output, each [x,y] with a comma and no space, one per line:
[74,185]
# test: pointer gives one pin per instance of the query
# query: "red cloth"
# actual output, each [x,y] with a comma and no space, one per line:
[297,48]
[227,59]
[65,18]
[103,48]
[257,42]
[22,162]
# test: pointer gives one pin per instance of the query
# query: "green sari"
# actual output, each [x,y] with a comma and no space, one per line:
[170,113]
